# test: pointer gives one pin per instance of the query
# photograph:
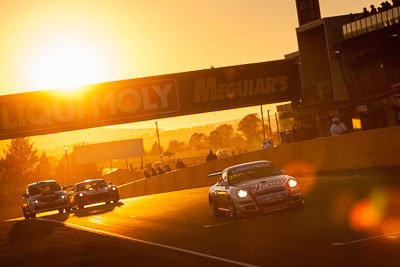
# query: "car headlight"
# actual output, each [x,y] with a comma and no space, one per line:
[36,201]
[242,193]
[63,196]
[292,183]
[80,194]
[113,188]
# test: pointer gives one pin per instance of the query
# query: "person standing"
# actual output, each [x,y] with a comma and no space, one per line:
[267,144]
[180,164]
[211,156]
[337,127]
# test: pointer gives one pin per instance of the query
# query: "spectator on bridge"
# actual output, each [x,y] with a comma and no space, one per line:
[388,5]
[337,127]
[396,3]
[373,10]
[365,13]
[211,156]
[180,164]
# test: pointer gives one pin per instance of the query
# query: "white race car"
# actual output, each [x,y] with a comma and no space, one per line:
[253,187]
[44,196]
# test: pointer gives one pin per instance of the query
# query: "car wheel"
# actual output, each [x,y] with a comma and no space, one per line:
[60,210]
[232,209]
[33,215]
[116,200]
[67,210]
[214,209]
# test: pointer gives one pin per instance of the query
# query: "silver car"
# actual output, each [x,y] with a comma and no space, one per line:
[253,187]
[44,196]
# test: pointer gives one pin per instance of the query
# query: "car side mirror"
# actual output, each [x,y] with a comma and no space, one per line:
[25,195]
[283,171]
[109,182]
[223,183]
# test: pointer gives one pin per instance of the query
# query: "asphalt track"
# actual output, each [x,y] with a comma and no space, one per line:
[349,219]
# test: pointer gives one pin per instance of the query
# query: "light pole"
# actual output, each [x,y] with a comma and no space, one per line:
[66,157]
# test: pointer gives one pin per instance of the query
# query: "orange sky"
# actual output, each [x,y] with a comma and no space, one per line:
[49,44]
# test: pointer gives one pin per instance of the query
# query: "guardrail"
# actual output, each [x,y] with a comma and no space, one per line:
[371,23]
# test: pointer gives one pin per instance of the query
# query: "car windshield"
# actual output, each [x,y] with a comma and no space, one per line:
[41,188]
[91,184]
[252,171]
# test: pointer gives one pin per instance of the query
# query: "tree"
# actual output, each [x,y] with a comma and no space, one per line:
[155,149]
[226,131]
[198,141]
[45,168]
[251,128]
[216,139]
[20,161]
[176,146]
[238,141]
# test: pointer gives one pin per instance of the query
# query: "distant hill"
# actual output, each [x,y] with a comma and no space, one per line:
[53,144]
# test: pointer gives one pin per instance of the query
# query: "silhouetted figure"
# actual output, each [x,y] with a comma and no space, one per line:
[146,174]
[338,127]
[167,168]
[233,153]
[153,172]
[365,13]
[373,10]
[180,164]
[396,3]
[159,170]
[267,144]
[211,156]
[352,17]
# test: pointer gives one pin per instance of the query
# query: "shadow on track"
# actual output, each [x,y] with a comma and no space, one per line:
[98,209]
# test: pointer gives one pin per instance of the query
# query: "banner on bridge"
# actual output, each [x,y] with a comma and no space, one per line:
[148,98]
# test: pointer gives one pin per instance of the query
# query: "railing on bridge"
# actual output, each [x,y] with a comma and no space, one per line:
[371,23]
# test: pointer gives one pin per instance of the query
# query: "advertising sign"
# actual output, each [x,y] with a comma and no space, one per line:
[148,98]
[110,150]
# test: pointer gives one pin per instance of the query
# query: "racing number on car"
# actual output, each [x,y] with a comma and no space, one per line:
[274,198]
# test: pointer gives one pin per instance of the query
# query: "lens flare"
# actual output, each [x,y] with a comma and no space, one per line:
[305,170]
[390,225]
[364,216]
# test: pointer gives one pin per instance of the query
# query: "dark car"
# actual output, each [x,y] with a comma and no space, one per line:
[44,196]
[93,191]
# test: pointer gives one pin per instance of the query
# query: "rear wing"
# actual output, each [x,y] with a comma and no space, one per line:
[211,174]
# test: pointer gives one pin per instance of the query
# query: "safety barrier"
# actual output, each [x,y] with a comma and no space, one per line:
[361,150]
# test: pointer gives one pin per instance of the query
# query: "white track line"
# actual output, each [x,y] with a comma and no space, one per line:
[364,239]
[218,224]
[150,243]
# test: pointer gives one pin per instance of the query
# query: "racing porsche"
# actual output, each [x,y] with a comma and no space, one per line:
[44,196]
[93,191]
[253,187]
